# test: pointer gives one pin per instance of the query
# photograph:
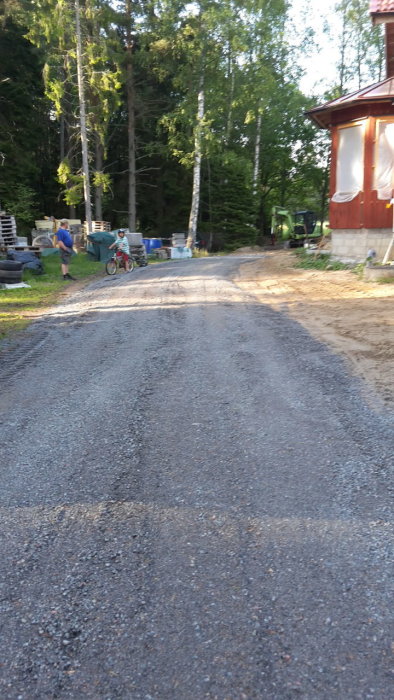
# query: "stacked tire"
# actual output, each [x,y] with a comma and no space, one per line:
[10,272]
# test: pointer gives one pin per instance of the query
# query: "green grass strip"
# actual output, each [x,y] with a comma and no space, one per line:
[17,304]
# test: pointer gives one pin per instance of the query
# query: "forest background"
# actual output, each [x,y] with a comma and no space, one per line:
[194,113]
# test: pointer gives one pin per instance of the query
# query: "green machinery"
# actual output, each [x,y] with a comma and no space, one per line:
[294,229]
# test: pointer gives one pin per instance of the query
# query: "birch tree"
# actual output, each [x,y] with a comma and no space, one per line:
[198,140]
[82,117]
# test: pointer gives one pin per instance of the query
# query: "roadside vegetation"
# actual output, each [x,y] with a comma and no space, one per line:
[318,261]
[19,306]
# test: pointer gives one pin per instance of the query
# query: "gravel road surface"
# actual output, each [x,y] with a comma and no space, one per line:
[195,501]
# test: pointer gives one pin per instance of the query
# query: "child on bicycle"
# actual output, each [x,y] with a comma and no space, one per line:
[122,248]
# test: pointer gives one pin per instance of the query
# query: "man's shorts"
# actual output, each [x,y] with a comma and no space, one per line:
[65,256]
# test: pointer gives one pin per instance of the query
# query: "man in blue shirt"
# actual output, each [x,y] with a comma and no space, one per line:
[65,244]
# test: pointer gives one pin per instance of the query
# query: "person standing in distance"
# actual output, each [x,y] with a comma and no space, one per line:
[65,244]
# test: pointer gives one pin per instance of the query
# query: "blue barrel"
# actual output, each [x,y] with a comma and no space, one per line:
[152,243]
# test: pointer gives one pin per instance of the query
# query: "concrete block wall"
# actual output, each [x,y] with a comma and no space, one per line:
[352,245]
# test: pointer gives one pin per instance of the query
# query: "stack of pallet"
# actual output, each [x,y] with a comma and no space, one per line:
[7,230]
[178,240]
[97,226]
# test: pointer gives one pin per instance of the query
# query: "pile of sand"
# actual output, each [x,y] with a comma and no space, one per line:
[353,316]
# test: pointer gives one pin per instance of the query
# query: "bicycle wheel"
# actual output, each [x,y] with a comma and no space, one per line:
[111,267]
[131,264]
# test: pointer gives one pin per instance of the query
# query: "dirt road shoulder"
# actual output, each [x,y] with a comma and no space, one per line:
[352,316]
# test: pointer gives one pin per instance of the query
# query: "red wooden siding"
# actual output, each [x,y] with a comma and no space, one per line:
[365,210]
[376,214]
[347,214]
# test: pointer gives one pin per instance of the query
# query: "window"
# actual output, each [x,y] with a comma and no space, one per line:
[350,163]
[384,160]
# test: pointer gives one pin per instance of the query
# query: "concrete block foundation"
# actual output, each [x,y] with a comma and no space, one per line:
[352,245]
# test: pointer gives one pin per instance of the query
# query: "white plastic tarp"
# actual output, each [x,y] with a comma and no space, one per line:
[350,163]
[384,161]
[180,253]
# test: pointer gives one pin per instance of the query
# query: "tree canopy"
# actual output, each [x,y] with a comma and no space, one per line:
[187,105]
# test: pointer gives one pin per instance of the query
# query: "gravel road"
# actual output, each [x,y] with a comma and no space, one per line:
[195,501]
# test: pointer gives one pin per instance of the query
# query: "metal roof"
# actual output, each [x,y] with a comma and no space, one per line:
[383,91]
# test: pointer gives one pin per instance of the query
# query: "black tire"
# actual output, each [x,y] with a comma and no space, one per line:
[10,265]
[131,264]
[15,275]
[111,267]
[9,280]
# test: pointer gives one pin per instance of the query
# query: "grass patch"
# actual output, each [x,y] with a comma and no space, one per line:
[17,306]
[200,253]
[386,280]
[317,262]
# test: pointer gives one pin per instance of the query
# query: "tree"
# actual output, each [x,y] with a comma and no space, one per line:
[361,49]
[82,117]
[26,129]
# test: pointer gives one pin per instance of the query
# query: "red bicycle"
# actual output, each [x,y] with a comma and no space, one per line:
[117,262]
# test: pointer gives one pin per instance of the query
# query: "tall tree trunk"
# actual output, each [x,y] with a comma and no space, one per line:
[210,236]
[132,203]
[192,232]
[256,168]
[342,65]
[98,191]
[231,78]
[82,118]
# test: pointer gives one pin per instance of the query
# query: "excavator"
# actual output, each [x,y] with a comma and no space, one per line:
[294,229]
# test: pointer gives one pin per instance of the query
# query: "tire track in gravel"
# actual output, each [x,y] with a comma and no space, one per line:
[200,517]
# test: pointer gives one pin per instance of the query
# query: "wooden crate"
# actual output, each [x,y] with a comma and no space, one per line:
[43,225]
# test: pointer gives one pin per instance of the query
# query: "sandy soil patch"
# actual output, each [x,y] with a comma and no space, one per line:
[354,317]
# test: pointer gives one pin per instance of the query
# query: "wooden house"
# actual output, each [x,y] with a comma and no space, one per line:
[362,162]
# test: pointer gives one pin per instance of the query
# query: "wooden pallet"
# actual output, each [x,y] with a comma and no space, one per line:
[97,226]
[8,230]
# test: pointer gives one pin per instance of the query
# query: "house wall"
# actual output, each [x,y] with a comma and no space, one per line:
[352,245]
[365,211]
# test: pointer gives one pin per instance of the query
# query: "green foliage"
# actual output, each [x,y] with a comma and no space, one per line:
[228,205]
[22,203]
[26,131]
[103,180]
[359,270]
[386,280]
[73,192]
[317,262]
[360,59]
